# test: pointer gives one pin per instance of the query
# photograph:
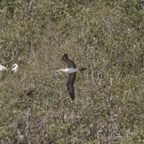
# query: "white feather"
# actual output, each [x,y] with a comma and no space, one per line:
[2,68]
[15,68]
[67,70]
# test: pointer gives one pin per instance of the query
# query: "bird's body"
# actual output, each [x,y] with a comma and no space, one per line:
[15,68]
[67,70]
[2,68]
[71,70]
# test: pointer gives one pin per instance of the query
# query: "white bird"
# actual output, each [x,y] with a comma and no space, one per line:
[2,68]
[15,68]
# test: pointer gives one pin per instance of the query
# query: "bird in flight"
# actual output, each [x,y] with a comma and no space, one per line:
[71,70]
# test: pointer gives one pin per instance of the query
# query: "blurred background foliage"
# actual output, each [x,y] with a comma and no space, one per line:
[106,36]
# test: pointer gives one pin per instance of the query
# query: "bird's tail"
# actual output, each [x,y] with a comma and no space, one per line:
[81,69]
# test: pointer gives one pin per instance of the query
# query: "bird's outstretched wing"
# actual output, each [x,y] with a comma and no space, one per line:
[72,76]
[70,85]
[69,62]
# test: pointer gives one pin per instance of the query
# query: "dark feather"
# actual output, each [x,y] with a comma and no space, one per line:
[70,85]
[72,76]
[69,62]
[82,69]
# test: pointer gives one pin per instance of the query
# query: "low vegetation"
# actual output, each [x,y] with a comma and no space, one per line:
[107,37]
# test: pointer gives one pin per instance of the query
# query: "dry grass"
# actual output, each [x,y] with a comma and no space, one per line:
[104,36]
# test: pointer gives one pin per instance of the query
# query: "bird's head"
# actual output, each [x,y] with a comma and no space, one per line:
[15,65]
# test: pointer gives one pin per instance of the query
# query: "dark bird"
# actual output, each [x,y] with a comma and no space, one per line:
[71,70]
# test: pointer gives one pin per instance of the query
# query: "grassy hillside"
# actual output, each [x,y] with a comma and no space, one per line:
[107,37]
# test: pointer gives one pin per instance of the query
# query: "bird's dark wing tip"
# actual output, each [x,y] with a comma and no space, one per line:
[71,92]
[72,97]
[65,57]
